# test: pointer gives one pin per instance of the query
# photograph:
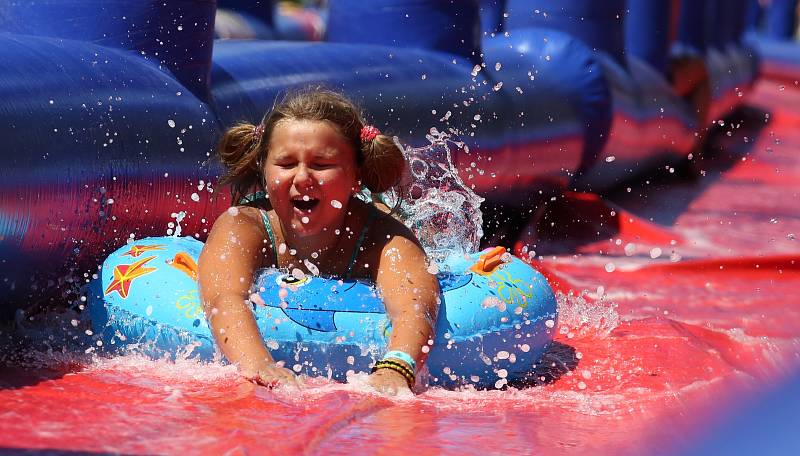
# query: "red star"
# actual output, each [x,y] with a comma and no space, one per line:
[137,250]
[124,275]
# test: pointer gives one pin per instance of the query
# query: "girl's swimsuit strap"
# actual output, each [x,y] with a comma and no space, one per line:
[373,213]
[253,197]
[271,236]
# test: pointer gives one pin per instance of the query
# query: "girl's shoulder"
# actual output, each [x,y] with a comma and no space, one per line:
[243,222]
[387,227]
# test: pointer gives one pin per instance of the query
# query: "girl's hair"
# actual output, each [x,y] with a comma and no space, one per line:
[244,146]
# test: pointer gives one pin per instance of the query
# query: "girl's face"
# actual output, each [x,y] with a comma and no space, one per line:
[311,174]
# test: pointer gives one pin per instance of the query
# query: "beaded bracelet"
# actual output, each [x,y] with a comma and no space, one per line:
[408,372]
[397,367]
[402,356]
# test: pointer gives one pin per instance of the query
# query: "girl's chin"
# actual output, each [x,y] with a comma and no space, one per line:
[304,229]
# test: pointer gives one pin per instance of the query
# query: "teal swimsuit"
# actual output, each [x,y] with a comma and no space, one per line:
[373,213]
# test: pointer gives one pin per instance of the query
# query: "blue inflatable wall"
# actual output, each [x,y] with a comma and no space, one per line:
[111,110]
[771,32]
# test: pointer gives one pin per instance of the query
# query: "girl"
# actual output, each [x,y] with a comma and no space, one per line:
[309,158]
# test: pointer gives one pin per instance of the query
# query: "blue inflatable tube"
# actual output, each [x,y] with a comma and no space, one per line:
[492,327]
[651,126]
[175,35]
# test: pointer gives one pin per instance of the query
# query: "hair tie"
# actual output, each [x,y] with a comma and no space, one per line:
[368,133]
[258,130]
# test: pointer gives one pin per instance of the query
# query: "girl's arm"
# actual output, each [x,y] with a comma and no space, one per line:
[229,259]
[411,297]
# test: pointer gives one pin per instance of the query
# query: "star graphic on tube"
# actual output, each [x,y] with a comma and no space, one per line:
[124,275]
[138,250]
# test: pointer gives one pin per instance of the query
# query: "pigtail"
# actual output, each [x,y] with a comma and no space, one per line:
[382,164]
[239,151]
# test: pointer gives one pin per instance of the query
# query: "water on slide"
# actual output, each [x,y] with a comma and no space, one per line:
[667,324]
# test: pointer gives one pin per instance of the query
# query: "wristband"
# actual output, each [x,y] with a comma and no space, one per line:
[402,356]
[399,368]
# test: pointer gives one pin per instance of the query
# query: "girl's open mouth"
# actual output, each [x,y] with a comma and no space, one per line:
[305,205]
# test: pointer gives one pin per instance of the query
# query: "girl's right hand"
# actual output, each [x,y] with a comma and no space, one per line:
[270,375]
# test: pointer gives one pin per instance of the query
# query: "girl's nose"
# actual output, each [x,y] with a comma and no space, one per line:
[303,177]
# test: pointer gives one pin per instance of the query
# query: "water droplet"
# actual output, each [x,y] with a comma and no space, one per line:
[610,267]
[312,268]
[298,274]
[610,158]
[336,204]
[655,252]
[195,197]
[630,249]
[171,123]
[304,219]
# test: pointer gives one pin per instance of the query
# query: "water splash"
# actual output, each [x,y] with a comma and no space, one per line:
[442,211]
[580,316]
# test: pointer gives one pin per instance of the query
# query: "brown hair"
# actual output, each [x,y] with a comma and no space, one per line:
[243,148]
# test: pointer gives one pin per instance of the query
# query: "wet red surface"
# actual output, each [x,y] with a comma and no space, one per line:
[687,303]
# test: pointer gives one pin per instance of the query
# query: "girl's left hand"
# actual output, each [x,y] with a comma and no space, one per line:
[389,382]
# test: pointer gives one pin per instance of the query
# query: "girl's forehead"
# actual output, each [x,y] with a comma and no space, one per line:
[318,136]
[302,127]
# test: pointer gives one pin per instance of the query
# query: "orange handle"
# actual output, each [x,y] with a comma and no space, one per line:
[489,261]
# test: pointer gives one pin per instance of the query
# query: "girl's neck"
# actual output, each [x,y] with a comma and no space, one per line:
[325,243]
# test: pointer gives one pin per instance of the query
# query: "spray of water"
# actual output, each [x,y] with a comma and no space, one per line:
[435,203]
